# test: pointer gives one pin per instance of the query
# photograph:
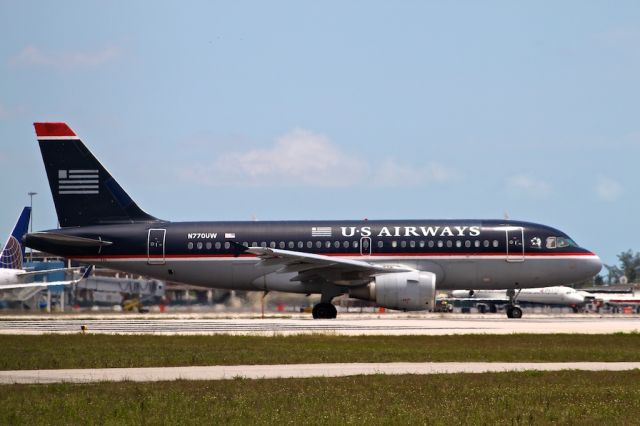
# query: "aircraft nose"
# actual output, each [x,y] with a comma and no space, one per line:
[576,299]
[593,265]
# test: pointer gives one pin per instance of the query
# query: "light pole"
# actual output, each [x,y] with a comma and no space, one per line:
[31,194]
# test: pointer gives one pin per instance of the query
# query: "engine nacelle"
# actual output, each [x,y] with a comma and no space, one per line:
[411,291]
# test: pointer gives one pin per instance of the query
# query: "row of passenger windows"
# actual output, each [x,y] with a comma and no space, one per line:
[348,244]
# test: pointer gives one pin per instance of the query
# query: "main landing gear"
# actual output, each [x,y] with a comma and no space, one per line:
[513,310]
[324,311]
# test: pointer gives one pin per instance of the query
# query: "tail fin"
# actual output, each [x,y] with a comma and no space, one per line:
[84,192]
[13,252]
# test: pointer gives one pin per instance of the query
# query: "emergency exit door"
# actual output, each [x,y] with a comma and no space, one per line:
[515,244]
[155,246]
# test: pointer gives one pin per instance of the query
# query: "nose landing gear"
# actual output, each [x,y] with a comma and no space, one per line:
[513,310]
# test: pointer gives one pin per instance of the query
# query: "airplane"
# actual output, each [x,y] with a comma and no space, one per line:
[12,274]
[617,300]
[556,295]
[398,264]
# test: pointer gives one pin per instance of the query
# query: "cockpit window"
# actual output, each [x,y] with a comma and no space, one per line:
[560,242]
[566,242]
[551,242]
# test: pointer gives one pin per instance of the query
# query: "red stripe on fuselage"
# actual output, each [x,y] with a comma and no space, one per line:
[191,255]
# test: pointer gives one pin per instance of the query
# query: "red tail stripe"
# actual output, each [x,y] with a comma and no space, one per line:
[53,129]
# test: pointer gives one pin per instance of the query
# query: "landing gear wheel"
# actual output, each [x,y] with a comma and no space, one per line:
[324,311]
[514,312]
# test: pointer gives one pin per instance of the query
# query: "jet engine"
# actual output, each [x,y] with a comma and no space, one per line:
[409,291]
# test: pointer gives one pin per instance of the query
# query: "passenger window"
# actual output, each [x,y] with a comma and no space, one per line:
[403,244]
[254,244]
[262,244]
[208,245]
[355,244]
[421,243]
[300,244]
[380,244]
[309,244]
[199,245]
[218,245]
[190,245]
[412,244]
[458,243]
[345,244]
[227,245]
[467,243]
[291,244]
[440,244]
[551,242]
[246,244]
[336,244]
[327,244]
[476,243]
[485,243]
[394,244]
[431,243]
[449,243]
[272,244]
[495,243]
[318,244]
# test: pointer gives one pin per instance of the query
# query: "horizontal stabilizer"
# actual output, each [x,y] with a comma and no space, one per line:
[67,240]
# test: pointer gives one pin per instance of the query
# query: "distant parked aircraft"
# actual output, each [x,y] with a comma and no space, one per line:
[556,295]
[12,275]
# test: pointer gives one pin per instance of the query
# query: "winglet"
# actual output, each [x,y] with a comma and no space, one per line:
[46,130]
[88,270]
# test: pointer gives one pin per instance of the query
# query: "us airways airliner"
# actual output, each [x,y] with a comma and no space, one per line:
[397,264]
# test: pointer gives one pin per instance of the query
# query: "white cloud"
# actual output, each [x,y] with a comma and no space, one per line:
[392,173]
[70,60]
[299,158]
[527,186]
[304,158]
[608,189]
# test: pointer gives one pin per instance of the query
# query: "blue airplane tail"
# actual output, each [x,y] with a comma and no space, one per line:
[13,252]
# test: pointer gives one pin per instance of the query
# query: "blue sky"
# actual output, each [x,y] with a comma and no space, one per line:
[336,110]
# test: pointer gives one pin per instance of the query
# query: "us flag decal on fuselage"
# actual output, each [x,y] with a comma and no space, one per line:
[78,181]
[321,231]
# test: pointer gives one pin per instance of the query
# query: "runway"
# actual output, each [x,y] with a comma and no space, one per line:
[344,325]
[292,371]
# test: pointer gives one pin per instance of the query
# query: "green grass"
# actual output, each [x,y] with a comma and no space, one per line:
[96,351]
[581,398]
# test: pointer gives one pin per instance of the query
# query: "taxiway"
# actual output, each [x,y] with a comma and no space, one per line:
[293,371]
[344,325]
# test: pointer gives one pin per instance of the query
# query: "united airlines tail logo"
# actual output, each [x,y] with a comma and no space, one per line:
[11,256]
[78,182]
[321,231]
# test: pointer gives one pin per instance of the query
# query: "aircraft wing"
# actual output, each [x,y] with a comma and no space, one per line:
[309,265]
[85,275]
[45,271]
